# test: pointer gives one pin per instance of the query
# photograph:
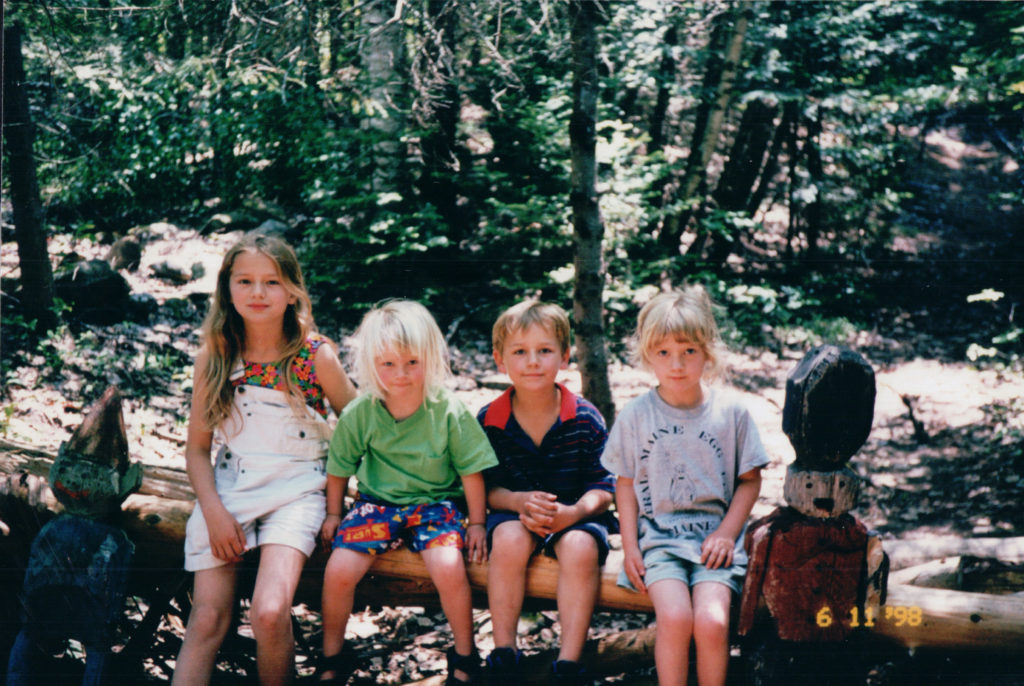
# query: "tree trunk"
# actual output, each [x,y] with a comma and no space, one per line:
[771,165]
[725,51]
[586,214]
[742,170]
[383,59]
[666,78]
[817,173]
[29,226]
[439,103]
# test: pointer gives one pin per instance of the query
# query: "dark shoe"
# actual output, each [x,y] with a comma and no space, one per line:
[470,664]
[503,667]
[569,673]
[340,666]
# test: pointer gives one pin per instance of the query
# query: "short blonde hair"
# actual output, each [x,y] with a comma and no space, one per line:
[681,313]
[402,326]
[525,314]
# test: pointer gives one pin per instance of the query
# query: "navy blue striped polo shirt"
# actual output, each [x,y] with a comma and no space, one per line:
[568,460]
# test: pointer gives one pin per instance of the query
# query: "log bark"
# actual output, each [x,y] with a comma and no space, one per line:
[907,553]
[155,517]
[156,523]
[952,620]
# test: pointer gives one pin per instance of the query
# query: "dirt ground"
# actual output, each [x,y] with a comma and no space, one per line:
[944,456]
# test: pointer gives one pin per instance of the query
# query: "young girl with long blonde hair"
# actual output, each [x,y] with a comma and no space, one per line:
[263,381]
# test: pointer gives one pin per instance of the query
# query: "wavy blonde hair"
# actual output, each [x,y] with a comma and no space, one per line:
[680,313]
[223,330]
[403,326]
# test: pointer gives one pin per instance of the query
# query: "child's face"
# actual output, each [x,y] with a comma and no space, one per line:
[532,358]
[258,292]
[401,373]
[679,364]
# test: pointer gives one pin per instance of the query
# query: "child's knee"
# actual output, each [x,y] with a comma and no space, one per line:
[711,624]
[208,622]
[268,619]
[511,540]
[577,549]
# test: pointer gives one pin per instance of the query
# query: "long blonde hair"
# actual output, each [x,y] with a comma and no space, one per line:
[223,330]
[682,313]
[403,326]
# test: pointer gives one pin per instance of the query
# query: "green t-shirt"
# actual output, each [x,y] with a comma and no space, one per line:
[417,460]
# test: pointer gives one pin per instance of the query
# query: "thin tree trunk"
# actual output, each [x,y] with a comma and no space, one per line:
[439,157]
[586,214]
[817,173]
[29,226]
[666,77]
[726,51]
[383,57]
[742,170]
[771,165]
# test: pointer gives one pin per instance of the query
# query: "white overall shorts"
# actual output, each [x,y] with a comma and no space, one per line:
[270,475]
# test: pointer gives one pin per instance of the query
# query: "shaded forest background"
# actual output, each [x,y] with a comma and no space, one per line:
[843,172]
[422,149]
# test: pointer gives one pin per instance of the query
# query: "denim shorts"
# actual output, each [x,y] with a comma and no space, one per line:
[662,564]
[593,527]
[373,526]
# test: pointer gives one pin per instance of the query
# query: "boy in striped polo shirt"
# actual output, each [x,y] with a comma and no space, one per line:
[549,491]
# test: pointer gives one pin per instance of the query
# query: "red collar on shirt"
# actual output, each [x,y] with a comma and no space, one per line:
[501,409]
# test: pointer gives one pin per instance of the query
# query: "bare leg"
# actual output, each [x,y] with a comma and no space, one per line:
[270,615]
[711,603]
[578,581]
[506,579]
[213,596]
[447,570]
[345,568]
[674,629]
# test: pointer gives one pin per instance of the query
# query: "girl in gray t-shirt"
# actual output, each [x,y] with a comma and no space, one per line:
[688,463]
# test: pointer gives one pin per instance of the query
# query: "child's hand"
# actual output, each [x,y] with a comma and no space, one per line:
[476,543]
[227,538]
[633,564]
[328,530]
[717,551]
[539,505]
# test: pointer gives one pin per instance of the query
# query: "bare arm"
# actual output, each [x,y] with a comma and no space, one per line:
[337,486]
[629,509]
[227,539]
[337,386]
[717,548]
[476,502]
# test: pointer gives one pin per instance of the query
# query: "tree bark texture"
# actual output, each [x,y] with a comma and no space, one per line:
[586,214]
[29,225]
[726,49]
[383,57]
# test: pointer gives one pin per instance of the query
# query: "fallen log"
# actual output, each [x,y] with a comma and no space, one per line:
[155,522]
[910,552]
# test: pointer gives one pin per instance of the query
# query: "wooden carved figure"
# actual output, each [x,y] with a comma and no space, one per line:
[814,569]
[78,566]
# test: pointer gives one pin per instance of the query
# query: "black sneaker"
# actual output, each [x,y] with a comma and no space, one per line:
[569,673]
[503,667]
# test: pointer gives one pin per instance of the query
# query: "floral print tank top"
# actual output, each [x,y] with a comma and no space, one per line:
[268,374]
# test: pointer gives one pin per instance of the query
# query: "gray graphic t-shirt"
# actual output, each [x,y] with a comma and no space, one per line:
[684,465]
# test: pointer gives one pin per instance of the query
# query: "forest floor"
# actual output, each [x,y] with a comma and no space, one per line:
[944,456]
